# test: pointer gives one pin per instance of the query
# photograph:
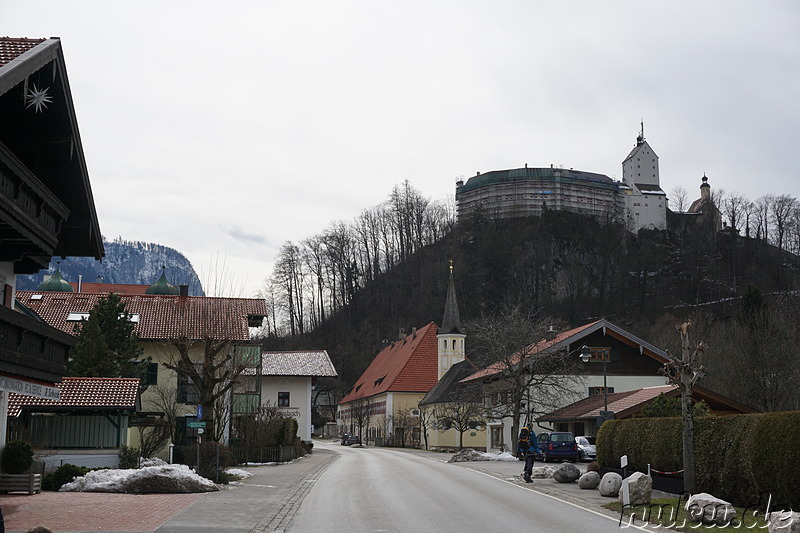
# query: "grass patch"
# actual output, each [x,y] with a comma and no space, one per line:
[670,513]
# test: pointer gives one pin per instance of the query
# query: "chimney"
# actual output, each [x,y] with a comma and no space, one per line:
[80,282]
[385,343]
[551,333]
[402,334]
[184,290]
[413,333]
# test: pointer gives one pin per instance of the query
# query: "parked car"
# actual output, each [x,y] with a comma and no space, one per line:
[586,448]
[557,445]
[348,440]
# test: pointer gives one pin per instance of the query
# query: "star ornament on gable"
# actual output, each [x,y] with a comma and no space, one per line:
[38,99]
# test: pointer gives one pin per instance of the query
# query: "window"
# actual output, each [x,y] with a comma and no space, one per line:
[187,390]
[283,399]
[151,374]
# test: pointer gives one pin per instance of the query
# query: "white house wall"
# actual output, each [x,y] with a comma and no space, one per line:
[299,389]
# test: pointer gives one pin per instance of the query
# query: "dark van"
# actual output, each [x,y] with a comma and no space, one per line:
[557,445]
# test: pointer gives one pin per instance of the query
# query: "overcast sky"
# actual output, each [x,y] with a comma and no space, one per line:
[225,131]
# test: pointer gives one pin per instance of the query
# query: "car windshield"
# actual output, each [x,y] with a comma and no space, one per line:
[582,441]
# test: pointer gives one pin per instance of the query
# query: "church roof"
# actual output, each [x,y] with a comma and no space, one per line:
[407,365]
[55,284]
[451,323]
[449,388]
[162,286]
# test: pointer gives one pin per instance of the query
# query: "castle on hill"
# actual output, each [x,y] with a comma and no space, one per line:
[638,201]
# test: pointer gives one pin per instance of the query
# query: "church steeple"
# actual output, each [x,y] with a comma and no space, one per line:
[451,335]
[451,323]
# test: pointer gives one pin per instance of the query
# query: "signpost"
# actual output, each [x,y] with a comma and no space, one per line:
[196,424]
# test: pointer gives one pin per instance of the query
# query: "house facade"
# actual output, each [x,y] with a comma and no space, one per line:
[46,208]
[285,380]
[210,329]
[619,361]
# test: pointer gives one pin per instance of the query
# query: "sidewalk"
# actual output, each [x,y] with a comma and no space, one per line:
[264,502]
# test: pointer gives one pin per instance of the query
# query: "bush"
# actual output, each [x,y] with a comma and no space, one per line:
[593,467]
[17,457]
[128,457]
[63,474]
[739,458]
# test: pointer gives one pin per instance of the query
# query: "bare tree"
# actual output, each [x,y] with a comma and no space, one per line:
[761,210]
[464,412]
[159,431]
[428,414]
[781,210]
[680,198]
[734,207]
[360,414]
[685,372]
[530,378]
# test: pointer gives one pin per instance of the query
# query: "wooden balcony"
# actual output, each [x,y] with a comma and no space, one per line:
[31,349]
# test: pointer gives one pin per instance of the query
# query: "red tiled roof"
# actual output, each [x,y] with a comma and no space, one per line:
[159,316]
[12,47]
[618,402]
[533,349]
[408,365]
[83,393]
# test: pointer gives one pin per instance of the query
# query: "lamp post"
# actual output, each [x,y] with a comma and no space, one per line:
[585,357]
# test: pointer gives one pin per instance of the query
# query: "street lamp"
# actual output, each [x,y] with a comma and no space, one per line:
[585,356]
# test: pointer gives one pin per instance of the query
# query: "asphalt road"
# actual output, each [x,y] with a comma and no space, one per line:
[384,490]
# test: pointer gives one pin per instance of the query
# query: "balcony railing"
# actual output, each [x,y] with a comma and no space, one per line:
[31,348]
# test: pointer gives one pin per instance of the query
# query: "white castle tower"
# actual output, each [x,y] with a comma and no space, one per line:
[645,202]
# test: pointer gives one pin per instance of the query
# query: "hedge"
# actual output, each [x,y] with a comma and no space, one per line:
[740,458]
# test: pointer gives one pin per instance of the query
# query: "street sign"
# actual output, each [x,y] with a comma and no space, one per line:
[200,431]
[197,424]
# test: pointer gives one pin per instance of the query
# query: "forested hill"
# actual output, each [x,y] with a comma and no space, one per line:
[570,266]
[128,262]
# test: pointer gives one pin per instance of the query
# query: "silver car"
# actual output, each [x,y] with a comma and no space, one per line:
[586,448]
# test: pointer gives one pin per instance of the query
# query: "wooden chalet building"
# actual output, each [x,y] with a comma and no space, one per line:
[46,208]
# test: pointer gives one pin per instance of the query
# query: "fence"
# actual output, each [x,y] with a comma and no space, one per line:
[262,454]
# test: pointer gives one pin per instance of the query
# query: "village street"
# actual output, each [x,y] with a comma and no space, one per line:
[381,489]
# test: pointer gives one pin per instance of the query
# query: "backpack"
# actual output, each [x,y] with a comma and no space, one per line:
[524,442]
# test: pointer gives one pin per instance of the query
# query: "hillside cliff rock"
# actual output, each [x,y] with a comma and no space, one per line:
[128,262]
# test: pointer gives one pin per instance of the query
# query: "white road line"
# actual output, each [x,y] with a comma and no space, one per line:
[625,525]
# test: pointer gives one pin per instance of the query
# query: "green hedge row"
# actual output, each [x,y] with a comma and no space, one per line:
[739,458]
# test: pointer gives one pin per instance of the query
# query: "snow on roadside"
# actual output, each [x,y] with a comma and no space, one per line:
[150,479]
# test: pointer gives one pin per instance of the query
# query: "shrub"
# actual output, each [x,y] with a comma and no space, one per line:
[17,457]
[63,474]
[128,457]
[739,458]
[594,466]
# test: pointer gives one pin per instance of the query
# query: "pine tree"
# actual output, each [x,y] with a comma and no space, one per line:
[118,355]
[91,357]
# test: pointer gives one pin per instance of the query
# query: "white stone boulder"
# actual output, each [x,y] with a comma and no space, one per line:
[589,480]
[705,508]
[784,522]
[640,488]
[542,472]
[610,484]
[566,473]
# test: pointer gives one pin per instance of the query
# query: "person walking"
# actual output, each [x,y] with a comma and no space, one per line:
[529,449]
